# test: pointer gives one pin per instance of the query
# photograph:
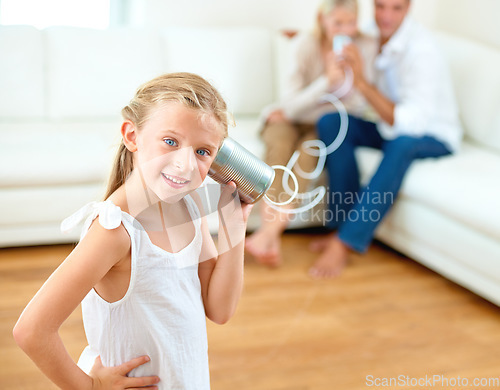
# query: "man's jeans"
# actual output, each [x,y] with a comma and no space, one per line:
[357,212]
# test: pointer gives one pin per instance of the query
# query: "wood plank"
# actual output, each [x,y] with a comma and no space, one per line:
[385,316]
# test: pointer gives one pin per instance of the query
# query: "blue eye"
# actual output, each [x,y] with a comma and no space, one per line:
[202,152]
[170,142]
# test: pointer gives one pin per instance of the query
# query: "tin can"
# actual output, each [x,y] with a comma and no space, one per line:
[252,176]
[339,41]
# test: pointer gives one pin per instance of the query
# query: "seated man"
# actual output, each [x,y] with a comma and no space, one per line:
[414,99]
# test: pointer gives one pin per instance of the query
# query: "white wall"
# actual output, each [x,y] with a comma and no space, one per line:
[475,19]
[273,14]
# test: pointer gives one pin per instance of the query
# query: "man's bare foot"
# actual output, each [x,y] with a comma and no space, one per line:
[332,261]
[265,246]
[320,244]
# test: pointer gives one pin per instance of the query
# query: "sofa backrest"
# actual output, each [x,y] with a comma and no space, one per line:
[475,72]
[22,81]
[238,61]
[76,74]
[94,73]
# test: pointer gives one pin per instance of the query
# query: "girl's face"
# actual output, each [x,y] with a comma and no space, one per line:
[175,149]
[339,21]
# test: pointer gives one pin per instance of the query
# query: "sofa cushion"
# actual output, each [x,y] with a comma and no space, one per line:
[94,73]
[465,186]
[474,69]
[238,61]
[42,154]
[32,206]
[21,73]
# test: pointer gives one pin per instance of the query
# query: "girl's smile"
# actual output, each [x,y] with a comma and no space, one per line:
[175,181]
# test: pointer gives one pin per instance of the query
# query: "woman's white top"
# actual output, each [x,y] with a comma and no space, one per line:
[306,82]
[411,71]
[162,313]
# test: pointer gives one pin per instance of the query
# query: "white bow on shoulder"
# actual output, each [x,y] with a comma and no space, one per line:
[110,216]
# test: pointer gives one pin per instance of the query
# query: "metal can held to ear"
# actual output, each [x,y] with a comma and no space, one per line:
[252,176]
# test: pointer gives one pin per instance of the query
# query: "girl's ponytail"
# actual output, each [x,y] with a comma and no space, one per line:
[122,167]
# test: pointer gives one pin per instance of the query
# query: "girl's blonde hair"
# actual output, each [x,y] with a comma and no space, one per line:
[188,89]
[328,6]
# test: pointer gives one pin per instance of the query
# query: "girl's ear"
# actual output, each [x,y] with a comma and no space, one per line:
[129,135]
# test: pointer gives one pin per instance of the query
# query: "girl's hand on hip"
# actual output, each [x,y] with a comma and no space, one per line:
[115,378]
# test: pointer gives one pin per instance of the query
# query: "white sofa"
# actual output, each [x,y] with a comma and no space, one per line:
[448,214]
[62,89]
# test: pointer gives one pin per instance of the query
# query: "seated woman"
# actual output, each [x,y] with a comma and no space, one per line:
[315,72]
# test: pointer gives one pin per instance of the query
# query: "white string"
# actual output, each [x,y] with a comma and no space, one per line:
[295,182]
[319,166]
[321,191]
[315,148]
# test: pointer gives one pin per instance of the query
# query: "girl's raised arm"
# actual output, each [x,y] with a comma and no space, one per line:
[221,276]
[36,331]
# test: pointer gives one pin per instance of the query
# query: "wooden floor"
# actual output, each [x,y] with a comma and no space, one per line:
[385,317]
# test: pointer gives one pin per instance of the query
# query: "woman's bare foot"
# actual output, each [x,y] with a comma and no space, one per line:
[265,246]
[332,261]
[265,243]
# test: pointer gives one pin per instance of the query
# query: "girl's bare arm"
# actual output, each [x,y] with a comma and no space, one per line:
[222,275]
[36,331]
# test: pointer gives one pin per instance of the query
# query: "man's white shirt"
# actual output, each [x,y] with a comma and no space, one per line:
[411,72]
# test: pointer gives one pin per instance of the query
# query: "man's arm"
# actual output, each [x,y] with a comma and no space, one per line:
[379,102]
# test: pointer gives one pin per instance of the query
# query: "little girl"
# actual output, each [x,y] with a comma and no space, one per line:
[146,268]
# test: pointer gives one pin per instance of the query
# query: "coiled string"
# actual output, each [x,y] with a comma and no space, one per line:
[316,148]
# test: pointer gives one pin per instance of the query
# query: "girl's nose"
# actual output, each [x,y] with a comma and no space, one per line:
[184,159]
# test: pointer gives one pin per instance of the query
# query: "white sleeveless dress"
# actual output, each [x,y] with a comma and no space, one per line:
[162,313]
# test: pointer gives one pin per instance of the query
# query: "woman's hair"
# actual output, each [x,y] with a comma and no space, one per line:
[327,6]
[186,88]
